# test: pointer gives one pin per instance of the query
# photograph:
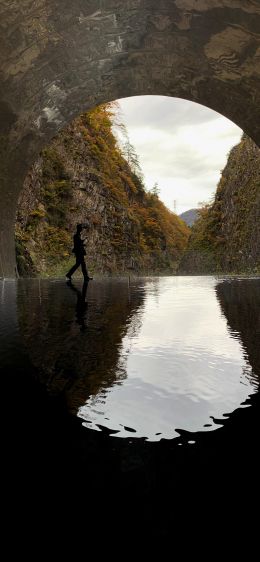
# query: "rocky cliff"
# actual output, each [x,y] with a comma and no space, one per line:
[226,237]
[83,176]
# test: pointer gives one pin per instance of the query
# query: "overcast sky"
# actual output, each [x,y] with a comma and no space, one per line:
[182,145]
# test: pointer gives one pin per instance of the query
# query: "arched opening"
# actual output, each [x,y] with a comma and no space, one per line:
[147,318]
[94,172]
[53,69]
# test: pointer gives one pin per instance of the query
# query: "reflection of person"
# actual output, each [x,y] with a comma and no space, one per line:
[79,251]
[82,305]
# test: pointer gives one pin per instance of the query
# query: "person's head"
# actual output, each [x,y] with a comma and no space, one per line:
[79,228]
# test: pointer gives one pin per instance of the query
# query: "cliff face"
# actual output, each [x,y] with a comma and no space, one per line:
[82,176]
[226,237]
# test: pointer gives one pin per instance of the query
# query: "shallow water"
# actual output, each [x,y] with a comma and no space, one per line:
[153,359]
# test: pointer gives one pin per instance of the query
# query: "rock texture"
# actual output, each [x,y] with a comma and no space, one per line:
[226,238]
[59,58]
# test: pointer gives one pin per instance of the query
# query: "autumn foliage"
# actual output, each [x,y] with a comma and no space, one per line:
[85,172]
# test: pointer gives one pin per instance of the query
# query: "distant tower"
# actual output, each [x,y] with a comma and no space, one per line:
[175,205]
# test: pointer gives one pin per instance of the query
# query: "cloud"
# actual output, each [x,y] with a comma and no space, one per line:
[182,145]
[165,112]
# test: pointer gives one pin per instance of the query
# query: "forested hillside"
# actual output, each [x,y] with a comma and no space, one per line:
[84,175]
[226,237]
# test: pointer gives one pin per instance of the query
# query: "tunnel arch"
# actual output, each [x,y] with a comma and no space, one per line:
[59,59]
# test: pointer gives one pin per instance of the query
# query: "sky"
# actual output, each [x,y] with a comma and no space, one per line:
[181,145]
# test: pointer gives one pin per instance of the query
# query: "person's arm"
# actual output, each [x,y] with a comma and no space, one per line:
[74,243]
[84,240]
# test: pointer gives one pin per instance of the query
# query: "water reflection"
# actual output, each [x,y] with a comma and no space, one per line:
[82,304]
[75,343]
[185,371]
[240,304]
[151,360]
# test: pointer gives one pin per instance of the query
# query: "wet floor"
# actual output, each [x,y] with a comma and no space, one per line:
[136,387]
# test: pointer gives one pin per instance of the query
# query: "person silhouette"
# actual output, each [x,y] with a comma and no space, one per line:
[81,305]
[80,252]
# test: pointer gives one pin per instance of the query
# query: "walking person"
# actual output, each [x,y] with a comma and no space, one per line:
[80,252]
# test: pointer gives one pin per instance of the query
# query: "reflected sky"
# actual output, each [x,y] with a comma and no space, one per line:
[184,367]
[151,359]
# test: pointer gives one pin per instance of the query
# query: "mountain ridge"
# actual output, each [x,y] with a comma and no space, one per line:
[189,217]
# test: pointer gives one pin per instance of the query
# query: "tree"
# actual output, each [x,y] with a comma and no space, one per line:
[155,190]
[132,158]
[127,149]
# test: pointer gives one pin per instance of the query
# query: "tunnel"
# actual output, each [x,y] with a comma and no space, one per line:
[60,58]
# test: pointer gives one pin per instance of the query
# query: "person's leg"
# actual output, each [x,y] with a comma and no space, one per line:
[73,269]
[84,269]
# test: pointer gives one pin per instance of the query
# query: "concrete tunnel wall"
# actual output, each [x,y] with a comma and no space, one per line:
[59,58]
